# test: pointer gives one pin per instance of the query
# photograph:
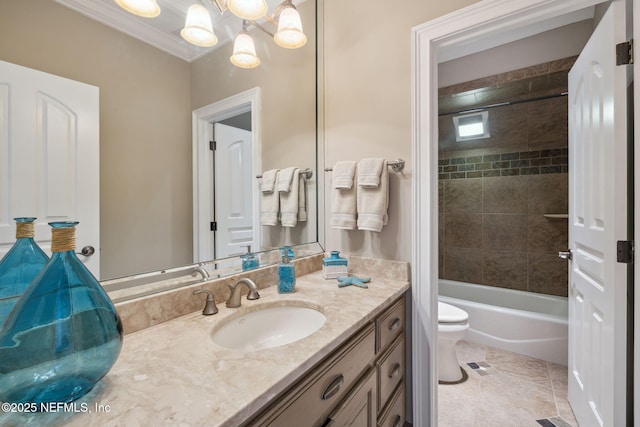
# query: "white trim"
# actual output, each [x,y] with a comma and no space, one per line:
[203,176]
[453,30]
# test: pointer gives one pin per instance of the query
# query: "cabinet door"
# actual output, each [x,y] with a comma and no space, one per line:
[358,409]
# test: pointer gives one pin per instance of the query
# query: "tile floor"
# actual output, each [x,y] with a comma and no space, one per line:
[506,389]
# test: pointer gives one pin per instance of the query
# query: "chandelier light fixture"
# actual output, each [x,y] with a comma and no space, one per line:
[198,29]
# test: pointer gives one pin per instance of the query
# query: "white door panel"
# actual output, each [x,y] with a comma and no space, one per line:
[597,219]
[233,190]
[49,156]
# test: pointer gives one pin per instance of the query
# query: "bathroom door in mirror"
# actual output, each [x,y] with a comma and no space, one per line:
[233,204]
[49,156]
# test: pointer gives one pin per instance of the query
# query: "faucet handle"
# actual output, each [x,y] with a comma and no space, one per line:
[253,294]
[210,304]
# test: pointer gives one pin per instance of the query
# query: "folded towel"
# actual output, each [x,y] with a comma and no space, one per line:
[285,179]
[269,199]
[343,174]
[289,201]
[302,198]
[372,204]
[343,207]
[268,182]
[369,171]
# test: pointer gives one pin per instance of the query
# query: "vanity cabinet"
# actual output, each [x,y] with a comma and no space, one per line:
[360,384]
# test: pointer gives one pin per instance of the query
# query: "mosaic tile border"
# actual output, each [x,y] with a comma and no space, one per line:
[506,164]
[553,422]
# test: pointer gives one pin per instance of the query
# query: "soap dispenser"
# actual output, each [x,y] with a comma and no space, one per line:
[286,275]
[249,260]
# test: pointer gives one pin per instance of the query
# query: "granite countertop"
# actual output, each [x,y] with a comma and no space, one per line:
[174,374]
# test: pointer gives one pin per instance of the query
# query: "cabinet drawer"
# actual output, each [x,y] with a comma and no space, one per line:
[389,325]
[395,416]
[391,369]
[316,395]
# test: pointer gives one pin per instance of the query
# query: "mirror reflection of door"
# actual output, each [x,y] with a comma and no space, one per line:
[49,157]
[233,202]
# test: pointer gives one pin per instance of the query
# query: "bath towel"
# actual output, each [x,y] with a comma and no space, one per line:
[343,207]
[268,182]
[372,203]
[302,198]
[343,174]
[369,172]
[289,201]
[269,199]
[285,179]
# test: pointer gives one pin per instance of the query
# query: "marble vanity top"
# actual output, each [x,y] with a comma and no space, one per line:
[174,374]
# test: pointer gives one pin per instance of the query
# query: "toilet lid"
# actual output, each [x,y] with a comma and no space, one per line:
[450,314]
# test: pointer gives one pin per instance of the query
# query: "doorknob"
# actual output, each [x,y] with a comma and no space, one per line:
[565,254]
[87,251]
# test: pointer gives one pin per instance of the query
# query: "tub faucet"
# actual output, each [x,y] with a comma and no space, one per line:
[236,292]
[200,270]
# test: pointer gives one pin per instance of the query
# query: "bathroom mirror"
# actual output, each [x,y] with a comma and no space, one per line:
[147,97]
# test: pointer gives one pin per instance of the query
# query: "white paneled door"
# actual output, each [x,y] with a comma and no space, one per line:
[233,191]
[598,212]
[49,157]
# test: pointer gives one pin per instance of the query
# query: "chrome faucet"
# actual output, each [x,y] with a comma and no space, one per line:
[202,271]
[236,292]
[210,305]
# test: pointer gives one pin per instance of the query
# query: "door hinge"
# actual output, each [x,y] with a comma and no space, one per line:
[625,251]
[624,53]
[212,145]
[214,226]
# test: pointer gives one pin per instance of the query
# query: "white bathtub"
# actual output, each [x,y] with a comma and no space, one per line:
[521,322]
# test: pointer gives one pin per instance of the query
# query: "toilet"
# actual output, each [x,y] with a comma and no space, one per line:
[453,323]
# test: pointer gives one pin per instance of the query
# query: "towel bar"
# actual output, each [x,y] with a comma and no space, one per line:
[396,165]
[308,173]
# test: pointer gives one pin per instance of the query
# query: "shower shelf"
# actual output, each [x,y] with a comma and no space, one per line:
[557,216]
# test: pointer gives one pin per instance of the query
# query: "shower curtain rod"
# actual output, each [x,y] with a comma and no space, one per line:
[503,104]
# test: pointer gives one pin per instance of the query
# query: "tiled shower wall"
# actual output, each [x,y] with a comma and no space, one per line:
[495,192]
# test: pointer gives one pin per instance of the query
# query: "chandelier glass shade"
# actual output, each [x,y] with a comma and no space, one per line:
[144,8]
[197,28]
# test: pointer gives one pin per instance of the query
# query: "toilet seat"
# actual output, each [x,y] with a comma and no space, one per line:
[449,314]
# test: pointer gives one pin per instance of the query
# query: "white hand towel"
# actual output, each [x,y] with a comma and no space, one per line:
[343,174]
[343,207]
[369,172]
[285,179]
[302,198]
[373,204]
[269,199]
[268,182]
[289,201]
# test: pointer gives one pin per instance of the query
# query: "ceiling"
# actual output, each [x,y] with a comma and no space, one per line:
[163,32]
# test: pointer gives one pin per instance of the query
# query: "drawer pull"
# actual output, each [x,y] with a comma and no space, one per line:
[395,370]
[397,422]
[394,324]
[333,387]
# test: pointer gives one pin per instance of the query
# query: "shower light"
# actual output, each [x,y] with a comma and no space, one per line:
[472,126]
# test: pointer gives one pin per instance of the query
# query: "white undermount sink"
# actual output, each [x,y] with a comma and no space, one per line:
[268,327]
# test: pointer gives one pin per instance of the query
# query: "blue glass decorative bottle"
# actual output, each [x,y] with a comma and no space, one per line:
[19,266]
[286,276]
[63,335]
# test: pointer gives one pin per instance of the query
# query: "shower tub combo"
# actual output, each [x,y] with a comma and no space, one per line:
[527,323]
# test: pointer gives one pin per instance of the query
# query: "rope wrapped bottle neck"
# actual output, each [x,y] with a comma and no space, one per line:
[24,230]
[63,239]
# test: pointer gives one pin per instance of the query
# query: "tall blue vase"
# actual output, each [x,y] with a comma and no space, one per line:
[19,267]
[63,335]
